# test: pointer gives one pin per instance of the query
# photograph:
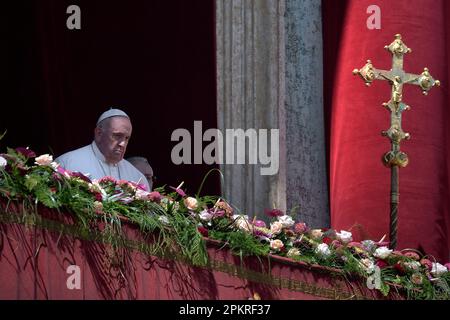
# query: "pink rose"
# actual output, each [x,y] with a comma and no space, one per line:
[191,203]
[43,160]
[412,255]
[427,263]
[276,244]
[259,223]
[300,227]
[155,196]
[276,227]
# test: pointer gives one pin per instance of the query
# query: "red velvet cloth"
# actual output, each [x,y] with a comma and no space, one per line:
[34,264]
[359,183]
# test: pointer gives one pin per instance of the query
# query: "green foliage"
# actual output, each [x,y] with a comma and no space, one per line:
[176,224]
[240,243]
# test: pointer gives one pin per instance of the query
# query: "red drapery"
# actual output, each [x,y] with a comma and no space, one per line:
[359,183]
[41,261]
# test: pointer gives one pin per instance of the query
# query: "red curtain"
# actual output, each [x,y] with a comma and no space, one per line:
[154,59]
[359,183]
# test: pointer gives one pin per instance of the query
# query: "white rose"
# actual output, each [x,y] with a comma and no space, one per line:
[3,162]
[276,244]
[286,221]
[205,215]
[382,252]
[438,269]
[344,236]
[276,227]
[323,250]
[191,203]
[44,160]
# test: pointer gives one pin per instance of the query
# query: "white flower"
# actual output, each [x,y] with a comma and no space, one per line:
[413,265]
[286,221]
[382,252]
[44,160]
[293,252]
[141,194]
[191,203]
[276,244]
[243,224]
[164,220]
[3,162]
[205,215]
[323,250]
[276,227]
[438,269]
[344,236]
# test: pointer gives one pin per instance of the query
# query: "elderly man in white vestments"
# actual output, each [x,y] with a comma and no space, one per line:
[104,156]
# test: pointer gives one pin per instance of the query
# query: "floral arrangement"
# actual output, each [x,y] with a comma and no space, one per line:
[183,222]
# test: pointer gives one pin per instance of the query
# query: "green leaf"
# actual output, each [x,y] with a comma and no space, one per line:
[31,182]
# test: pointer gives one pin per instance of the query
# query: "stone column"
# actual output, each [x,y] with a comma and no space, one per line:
[305,131]
[263,59]
[250,80]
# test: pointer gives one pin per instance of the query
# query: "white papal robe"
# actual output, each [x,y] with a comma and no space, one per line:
[91,162]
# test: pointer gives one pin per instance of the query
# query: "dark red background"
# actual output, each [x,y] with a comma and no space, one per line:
[153,59]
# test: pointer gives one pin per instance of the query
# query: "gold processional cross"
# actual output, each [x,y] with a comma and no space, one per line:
[397,77]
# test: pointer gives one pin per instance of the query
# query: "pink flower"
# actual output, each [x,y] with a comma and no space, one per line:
[276,244]
[43,160]
[274,213]
[155,196]
[259,223]
[412,255]
[191,203]
[427,263]
[179,191]
[107,179]
[447,265]
[355,244]
[300,227]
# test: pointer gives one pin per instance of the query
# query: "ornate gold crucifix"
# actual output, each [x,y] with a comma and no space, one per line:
[397,77]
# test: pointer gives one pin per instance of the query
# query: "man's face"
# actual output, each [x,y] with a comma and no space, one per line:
[112,138]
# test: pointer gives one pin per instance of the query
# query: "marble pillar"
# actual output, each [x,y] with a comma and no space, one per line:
[269,76]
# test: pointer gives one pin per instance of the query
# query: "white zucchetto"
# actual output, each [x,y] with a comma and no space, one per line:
[112,113]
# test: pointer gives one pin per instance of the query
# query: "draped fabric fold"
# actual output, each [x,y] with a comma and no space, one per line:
[359,183]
